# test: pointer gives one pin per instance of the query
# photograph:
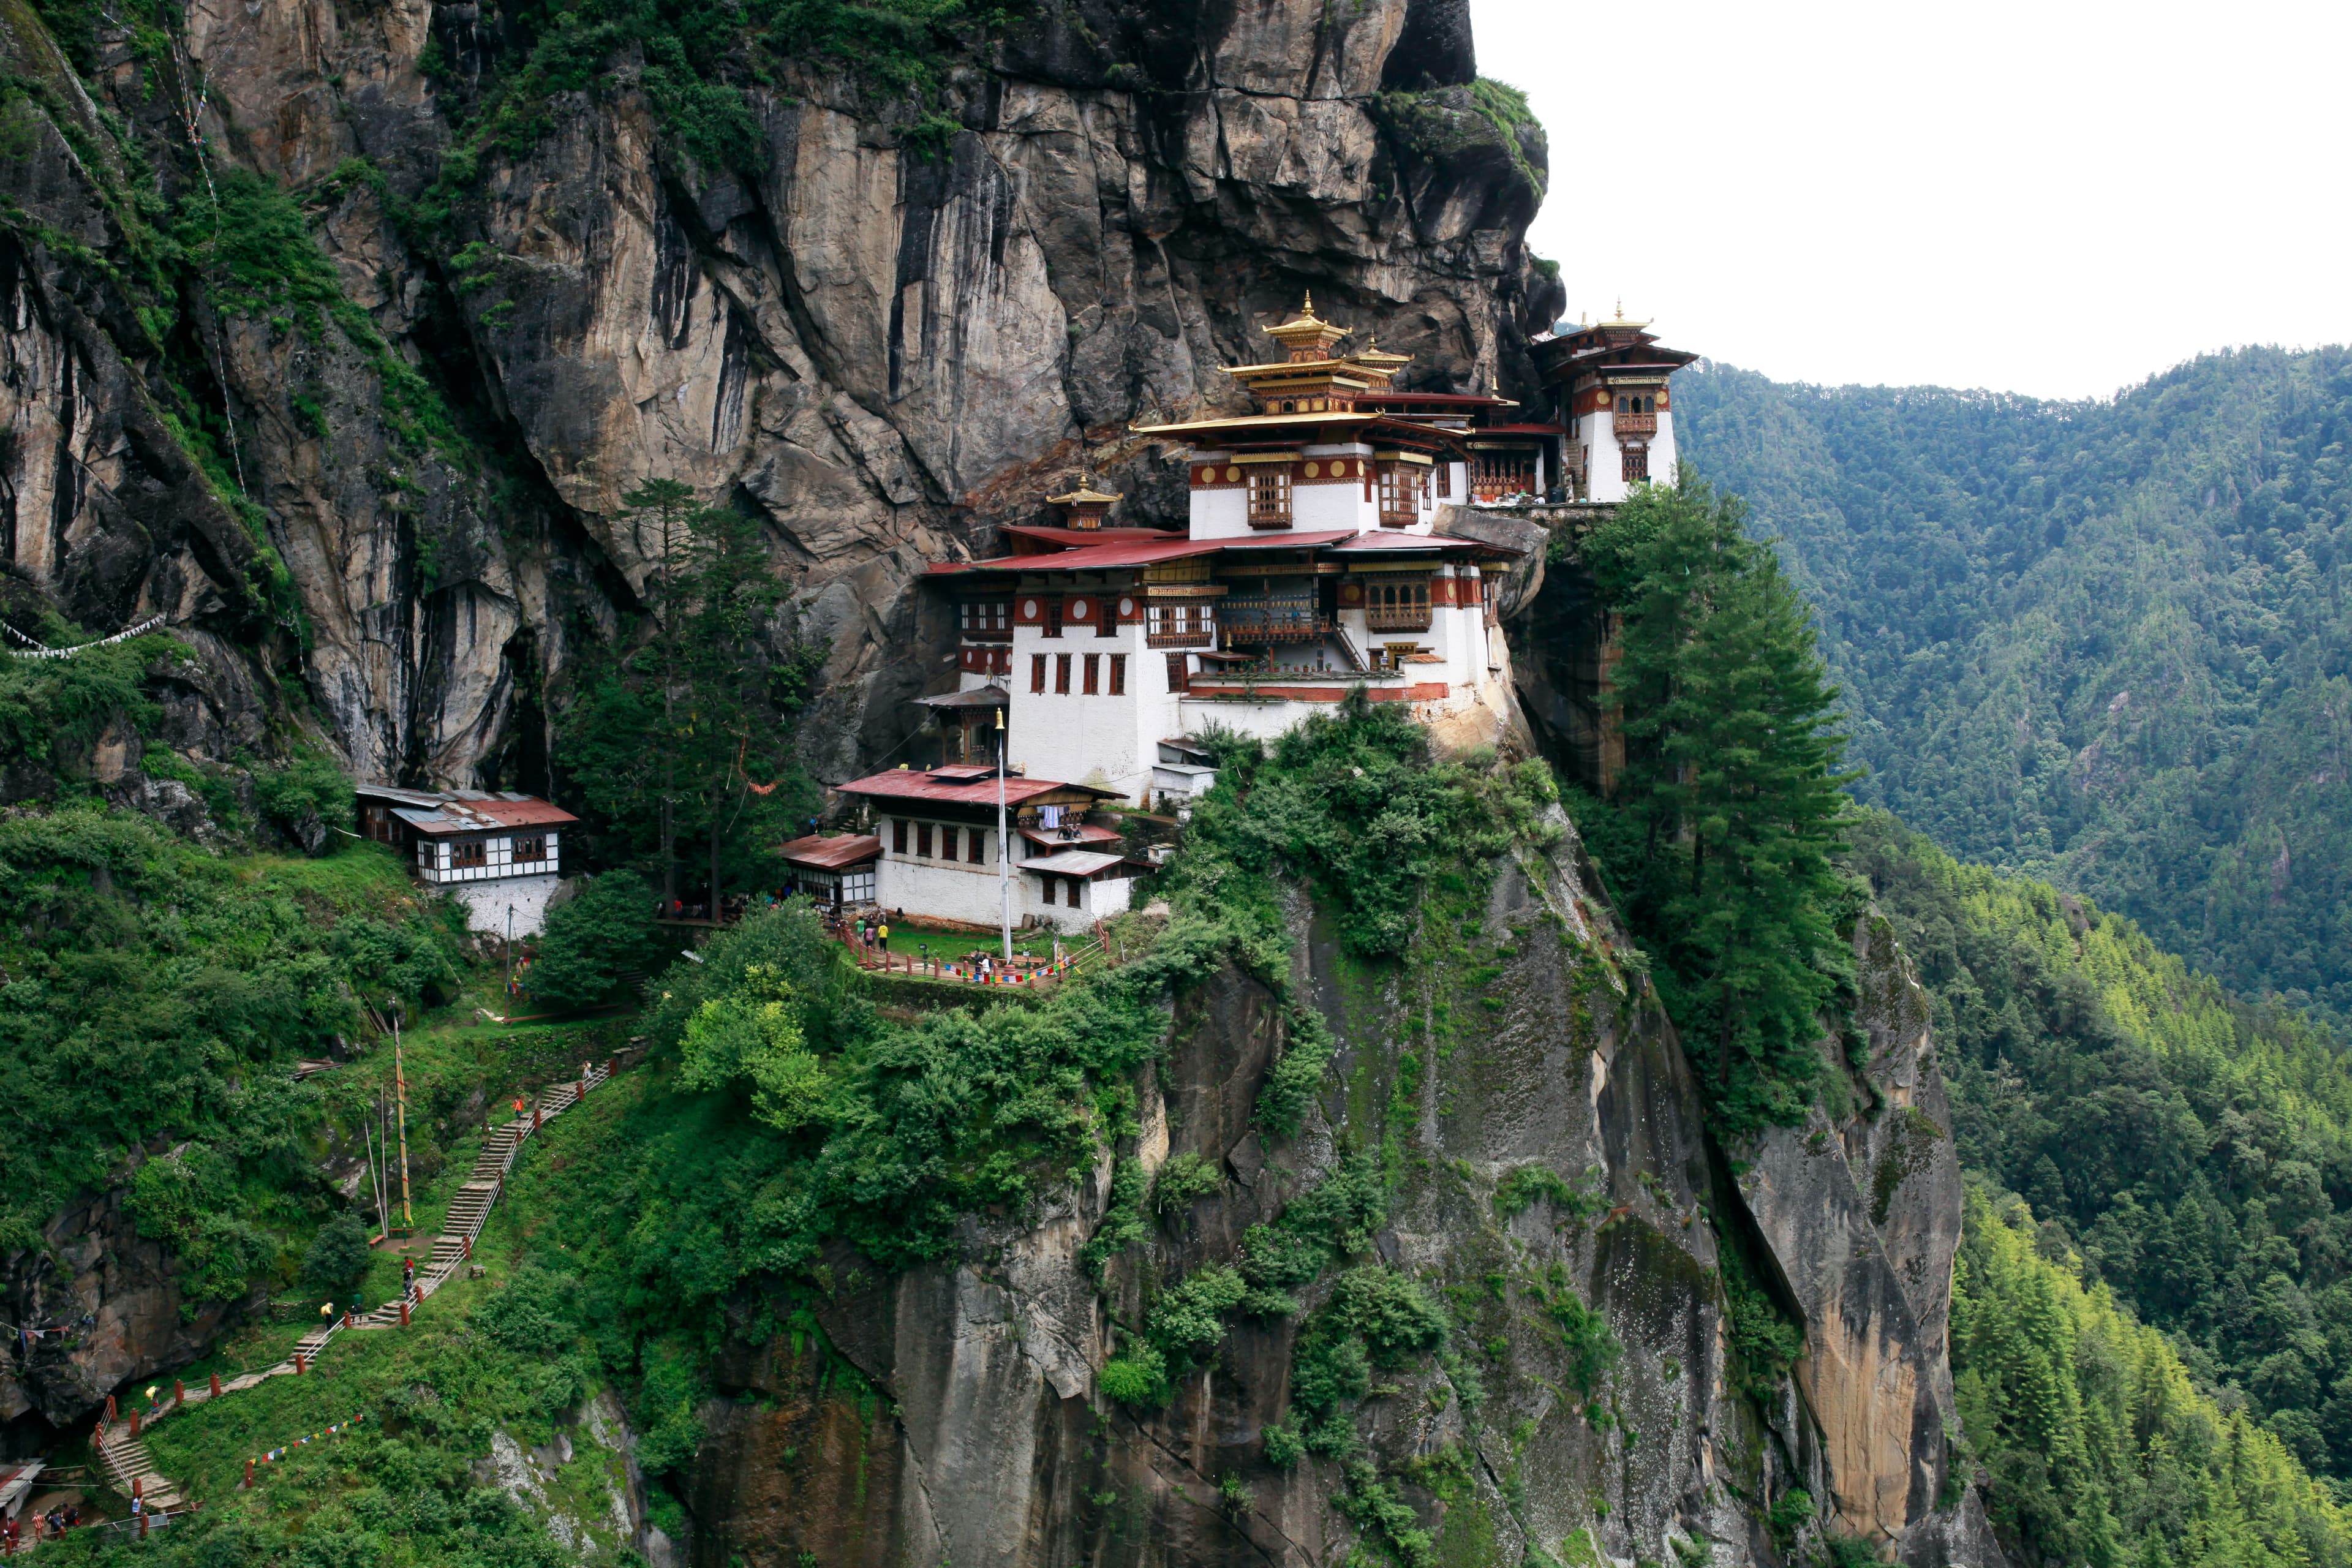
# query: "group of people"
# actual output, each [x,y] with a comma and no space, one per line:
[49,1526]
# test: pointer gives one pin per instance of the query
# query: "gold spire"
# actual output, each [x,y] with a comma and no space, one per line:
[1374,357]
[1085,503]
[1305,335]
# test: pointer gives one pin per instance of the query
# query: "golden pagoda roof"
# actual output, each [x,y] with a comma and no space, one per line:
[1306,329]
[1373,354]
[1085,495]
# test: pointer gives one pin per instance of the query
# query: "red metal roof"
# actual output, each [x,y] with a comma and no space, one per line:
[528,812]
[1143,553]
[1448,399]
[1074,538]
[831,851]
[909,784]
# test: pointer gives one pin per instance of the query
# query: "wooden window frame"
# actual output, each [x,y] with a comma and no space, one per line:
[1061,674]
[975,845]
[1119,675]
[1093,674]
[897,836]
[1036,675]
[468,854]
[1180,672]
[1633,464]
[1399,508]
[1269,491]
[531,847]
[1053,616]
[922,841]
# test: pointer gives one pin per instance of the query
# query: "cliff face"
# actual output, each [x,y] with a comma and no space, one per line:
[969,1424]
[879,345]
[883,346]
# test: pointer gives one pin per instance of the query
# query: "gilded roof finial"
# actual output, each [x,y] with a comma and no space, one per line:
[1306,303]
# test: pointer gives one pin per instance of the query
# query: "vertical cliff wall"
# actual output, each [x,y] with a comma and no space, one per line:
[881,343]
[1547,1152]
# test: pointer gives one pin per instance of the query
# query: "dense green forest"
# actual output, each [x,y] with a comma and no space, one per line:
[2106,642]
[2189,1152]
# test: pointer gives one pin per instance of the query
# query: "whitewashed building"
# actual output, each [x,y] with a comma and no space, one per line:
[940,854]
[1310,567]
[501,855]
[1613,387]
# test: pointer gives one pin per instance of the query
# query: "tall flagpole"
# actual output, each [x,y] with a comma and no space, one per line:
[1003,847]
[400,1083]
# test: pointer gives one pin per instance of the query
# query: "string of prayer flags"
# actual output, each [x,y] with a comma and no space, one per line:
[275,1455]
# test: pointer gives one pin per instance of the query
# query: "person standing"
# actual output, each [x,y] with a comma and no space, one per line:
[882,933]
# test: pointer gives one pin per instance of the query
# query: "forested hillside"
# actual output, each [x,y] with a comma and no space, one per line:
[2191,1153]
[2104,642]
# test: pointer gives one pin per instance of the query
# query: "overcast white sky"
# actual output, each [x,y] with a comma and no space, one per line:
[2050,197]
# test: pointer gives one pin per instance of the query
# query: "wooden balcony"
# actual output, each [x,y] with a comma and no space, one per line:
[1178,639]
[1399,518]
[1269,517]
[1263,620]
[1634,423]
[1409,619]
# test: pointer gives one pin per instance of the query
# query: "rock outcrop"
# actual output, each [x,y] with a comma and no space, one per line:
[956,1413]
[116,1295]
[880,343]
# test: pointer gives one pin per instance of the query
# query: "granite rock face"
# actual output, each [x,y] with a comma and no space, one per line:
[880,345]
[984,1436]
[116,1294]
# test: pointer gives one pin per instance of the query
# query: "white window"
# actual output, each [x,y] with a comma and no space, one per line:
[858,886]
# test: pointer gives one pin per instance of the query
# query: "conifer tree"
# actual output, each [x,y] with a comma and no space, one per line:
[1724,826]
[689,732]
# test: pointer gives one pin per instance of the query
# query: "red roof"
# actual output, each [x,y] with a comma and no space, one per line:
[1447,399]
[1477,430]
[528,812]
[910,784]
[831,851]
[1071,538]
[1142,553]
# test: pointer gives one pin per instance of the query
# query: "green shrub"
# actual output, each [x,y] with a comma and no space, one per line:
[337,1256]
[1136,1377]
[1181,1181]
[306,788]
[601,933]
[532,1313]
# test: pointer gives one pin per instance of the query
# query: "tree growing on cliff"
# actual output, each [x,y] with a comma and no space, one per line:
[1723,829]
[689,732]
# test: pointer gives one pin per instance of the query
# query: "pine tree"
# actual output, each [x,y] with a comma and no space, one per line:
[668,739]
[1727,815]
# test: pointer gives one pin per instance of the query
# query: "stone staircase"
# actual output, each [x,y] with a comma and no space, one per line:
[129,1467]
[126,1460]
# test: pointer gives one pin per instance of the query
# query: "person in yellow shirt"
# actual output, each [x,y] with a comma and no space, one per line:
[883,933]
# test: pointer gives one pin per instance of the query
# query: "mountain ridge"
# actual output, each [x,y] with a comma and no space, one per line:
[2104,642]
